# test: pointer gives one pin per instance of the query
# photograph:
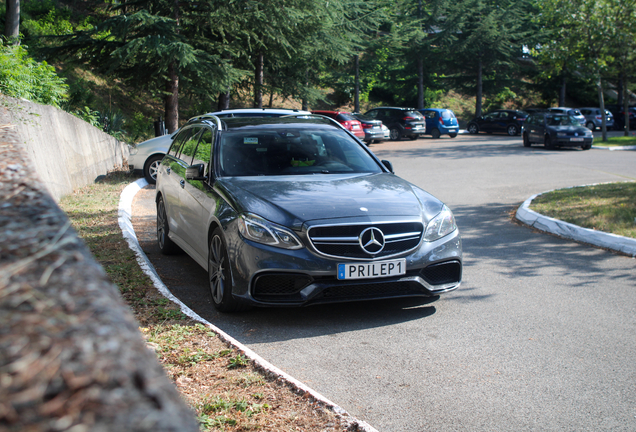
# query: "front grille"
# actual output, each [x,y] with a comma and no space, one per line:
[443,273]
[279,286]
[343,240]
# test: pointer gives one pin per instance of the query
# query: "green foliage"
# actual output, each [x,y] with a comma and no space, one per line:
[88,115]
[23,77]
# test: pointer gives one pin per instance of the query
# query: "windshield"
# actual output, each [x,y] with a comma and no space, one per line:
[292,151]
[563,120]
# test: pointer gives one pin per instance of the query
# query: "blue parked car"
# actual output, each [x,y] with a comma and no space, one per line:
[440,121]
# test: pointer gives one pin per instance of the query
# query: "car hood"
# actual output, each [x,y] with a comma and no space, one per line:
[293,200]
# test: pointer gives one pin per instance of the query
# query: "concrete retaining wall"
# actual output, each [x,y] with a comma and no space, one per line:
[67,152]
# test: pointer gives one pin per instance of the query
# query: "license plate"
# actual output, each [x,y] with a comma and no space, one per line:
[452,130]
[576,139]
[371,270]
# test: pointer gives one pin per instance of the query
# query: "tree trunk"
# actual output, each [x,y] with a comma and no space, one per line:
[224,100]
[12,22]
[258,82]
[601,101]
[171,101]
[480,89]
[305,102]
[619,92]
[420,83]
[562,91]
[356,99]
[626,99]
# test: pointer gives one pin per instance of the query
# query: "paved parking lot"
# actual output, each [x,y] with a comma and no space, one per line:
[540,336]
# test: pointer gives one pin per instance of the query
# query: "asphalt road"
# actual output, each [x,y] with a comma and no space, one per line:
[541,336]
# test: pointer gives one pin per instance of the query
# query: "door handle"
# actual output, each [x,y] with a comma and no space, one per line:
[182,183]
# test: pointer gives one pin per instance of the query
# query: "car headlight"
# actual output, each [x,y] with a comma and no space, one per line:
[257,229]
[441,225]
[133,150]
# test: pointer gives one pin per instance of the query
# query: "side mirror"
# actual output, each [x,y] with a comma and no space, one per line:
[196,172]
[388,166]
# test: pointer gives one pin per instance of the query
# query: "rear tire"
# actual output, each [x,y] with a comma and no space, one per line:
[220,276]
[394,134]
[586,147]
[590,126]
[512,130]
[526,140]
[453,135]
[473,128]
[435,133]
[166,246]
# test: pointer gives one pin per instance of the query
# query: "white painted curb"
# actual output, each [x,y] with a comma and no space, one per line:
[615,242]
[125,223]
[614,148]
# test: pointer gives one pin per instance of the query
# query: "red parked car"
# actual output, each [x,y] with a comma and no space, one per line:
[346,119]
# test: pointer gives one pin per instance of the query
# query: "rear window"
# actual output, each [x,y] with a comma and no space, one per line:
[448,114]
[414,114]
[344,117]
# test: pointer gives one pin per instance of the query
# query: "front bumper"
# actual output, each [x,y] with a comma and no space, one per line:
[567,142]
[268,276]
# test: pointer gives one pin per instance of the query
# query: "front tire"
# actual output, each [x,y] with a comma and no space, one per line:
[394,134]
[151,168]
[526,140]
[513,130]
[435,133]
[473,128]
[590,126]
[220,276]
[586,147]
[166,246]
[547,142]
[453,135]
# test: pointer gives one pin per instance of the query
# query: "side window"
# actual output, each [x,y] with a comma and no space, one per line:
[204,149]
[491,116]
[190,146]
[372,114]
[504,115]
[530,120]
[177,143]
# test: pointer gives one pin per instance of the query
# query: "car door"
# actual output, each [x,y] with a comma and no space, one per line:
[533,126]
[489,121]
[501,122]
[198,200]
[172,171]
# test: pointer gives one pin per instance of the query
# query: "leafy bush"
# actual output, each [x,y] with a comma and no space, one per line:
[23,77]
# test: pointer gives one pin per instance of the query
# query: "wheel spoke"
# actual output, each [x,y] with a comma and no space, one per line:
[217,269]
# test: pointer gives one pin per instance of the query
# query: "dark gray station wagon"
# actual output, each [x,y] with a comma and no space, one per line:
[295,211]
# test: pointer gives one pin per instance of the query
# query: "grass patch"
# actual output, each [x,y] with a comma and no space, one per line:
[221,384]
[617,141]
[607,207]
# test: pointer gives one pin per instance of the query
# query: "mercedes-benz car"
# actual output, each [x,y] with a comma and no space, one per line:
[295,211]
[145,156]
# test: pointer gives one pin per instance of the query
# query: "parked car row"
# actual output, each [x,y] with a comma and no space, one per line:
[395,123]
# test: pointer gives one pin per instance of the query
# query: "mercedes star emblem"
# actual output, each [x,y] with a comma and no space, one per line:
[372,240]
